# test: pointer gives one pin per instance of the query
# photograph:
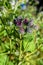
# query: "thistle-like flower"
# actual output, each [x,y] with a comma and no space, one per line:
[25,22]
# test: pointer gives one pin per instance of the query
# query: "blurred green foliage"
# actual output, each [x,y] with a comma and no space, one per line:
[17,49]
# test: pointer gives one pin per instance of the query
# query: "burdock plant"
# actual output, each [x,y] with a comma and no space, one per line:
[21,34]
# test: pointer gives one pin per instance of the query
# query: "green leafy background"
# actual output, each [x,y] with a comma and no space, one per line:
[29,50]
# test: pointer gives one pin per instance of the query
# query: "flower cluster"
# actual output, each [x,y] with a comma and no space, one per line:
[24,25]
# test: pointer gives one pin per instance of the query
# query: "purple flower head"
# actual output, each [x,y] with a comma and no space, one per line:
[28,30]
[19,23]
[22,30]
[25,22]
[36,27]
[31,23]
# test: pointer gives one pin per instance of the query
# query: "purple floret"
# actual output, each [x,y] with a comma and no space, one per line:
[22,30]
[25,22]
[18,23]
[31,22]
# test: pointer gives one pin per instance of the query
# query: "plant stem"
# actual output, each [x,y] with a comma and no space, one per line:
[10,46]
[20,47]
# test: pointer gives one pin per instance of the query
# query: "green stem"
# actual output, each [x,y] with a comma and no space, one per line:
[20,47]
[10,46]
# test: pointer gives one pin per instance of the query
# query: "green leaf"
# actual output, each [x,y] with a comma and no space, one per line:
[10,63]
[30,46]
[3,59]
[28,42]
